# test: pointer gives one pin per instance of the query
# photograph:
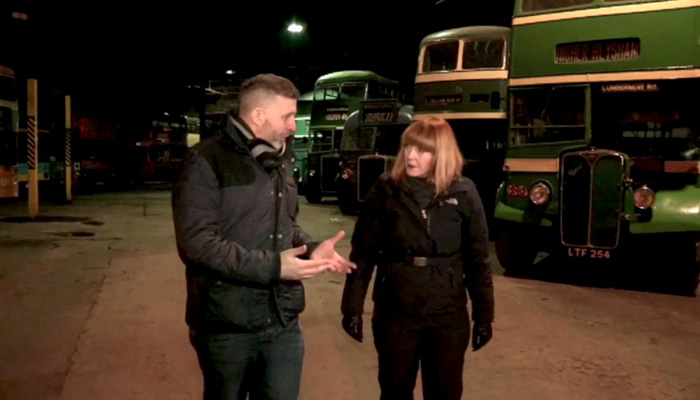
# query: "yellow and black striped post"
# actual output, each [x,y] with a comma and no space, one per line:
[68,166]
[33,147]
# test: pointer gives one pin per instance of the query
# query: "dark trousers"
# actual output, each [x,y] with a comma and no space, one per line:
[436,343]
[267,365]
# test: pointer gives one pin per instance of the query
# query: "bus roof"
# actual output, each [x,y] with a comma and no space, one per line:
[352,76]
[467,32]
[8,72]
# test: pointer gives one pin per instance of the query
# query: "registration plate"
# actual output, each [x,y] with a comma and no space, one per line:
[579,252]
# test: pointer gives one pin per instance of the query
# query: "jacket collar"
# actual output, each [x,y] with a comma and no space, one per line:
[405,197]
[238,131]
[241,133]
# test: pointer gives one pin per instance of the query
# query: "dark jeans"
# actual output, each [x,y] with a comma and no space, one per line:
[438,343]
[265,364]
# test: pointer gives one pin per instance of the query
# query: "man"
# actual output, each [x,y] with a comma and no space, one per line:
[234,209]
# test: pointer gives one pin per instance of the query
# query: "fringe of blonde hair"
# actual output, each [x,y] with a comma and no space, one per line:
[434,135]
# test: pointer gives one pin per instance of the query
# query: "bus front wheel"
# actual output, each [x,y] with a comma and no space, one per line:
[313,196]
[515,249]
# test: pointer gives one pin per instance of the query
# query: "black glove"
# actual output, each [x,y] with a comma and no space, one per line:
[481,334]
[352,324]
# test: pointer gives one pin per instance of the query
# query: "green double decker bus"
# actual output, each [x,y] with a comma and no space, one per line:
[336,96]
[603,148]
[462,76]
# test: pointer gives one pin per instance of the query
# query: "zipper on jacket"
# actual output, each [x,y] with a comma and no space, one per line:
[426,217]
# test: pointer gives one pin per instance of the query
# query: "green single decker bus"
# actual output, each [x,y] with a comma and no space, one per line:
[603,147]
[462,76]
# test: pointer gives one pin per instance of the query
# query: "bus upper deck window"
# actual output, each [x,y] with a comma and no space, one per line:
[486,53]
[327,93]
[331,94]
[440,57]
[318,94]
[353,90]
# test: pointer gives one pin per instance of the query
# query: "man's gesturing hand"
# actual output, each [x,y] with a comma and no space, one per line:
[326,250]
[294,268]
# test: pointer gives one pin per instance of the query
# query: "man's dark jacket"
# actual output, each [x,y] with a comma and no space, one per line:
[232,218]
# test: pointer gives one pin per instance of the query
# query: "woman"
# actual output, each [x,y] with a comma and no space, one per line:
[424,228]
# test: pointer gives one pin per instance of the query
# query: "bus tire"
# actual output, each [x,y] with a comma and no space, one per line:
[514,249]
[347,198]
[313,196]
[670,264]
[347,205]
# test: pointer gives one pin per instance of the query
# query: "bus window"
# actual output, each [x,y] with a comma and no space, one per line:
[94,150]
[8,139]
[301,143]
[660,121]
[388,139]
[326,93]
[321,140]
[542,5]
[441,57]
[483,53]
[358,139]
[8,88]
[353,90]
[548,114]
[177,153]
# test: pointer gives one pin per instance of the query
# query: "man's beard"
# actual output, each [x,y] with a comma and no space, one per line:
[276,139]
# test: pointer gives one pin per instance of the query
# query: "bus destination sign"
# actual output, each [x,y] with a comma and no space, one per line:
[378,112]
[336,113]
[598,50]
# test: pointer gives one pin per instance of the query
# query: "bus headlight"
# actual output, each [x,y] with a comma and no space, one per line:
[540,194]
[347,173]
[644,197]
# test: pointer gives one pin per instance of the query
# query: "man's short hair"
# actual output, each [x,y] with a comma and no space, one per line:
[256,91]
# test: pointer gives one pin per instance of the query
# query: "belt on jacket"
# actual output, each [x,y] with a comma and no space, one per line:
[425,261]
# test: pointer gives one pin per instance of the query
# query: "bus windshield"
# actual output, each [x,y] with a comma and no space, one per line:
[361,138]
[647,118]
[548,114]
[321,140]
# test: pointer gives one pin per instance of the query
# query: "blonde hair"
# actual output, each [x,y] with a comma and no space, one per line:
[435,136]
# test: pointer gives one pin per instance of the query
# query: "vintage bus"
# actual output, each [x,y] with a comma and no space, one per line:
[371,140]
[462,76]
[9,126]
[336,96]
[162,150]
[603,149]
